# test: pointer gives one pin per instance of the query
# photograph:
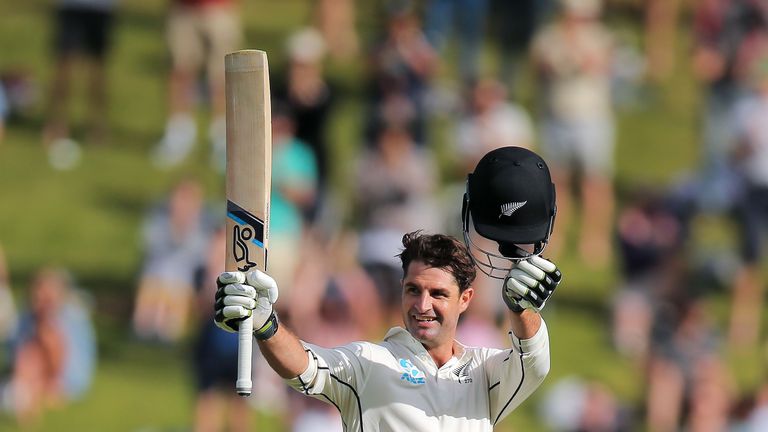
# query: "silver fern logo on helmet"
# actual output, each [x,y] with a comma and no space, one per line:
[509,208]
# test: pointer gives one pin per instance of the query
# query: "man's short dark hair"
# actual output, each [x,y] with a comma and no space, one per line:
[439,251]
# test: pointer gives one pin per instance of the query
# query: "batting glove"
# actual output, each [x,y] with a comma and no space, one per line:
[530,283]
[240,295]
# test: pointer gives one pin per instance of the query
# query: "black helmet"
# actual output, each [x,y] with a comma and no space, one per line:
[510,199]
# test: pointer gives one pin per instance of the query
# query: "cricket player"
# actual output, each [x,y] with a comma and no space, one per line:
[420,378]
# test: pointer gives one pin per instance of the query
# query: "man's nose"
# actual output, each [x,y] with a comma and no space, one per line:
[424,303]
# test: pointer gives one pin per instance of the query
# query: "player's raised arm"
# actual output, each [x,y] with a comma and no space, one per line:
[510,206]
[253,294]
[526,290]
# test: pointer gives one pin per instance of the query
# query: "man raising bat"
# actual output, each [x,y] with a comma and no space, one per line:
[419,378]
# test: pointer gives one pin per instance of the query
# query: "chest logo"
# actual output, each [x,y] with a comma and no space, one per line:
[462,374]
[410,373]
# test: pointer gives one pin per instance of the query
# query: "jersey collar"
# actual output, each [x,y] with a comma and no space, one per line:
[401,336]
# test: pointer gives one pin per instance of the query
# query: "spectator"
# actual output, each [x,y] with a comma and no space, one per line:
[572,57]
[688,383]
[310,98]
[175,235]
[294,190]
[82,29]
[200,33]
[55,349]
[393,187]
[340,305]
[512,26]
[650,238]
[402,66]
[470,20]
[728,38]
[751,163]
[333,266]
[217,406]
[40,352]
[490,122]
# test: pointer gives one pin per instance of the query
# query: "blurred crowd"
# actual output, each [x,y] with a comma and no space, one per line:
[333,253]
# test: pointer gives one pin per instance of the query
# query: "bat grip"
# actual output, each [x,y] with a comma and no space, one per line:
[244,357]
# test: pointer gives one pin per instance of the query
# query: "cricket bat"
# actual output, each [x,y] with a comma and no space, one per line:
[249,179]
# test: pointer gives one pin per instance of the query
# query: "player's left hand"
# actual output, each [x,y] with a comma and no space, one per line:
[530,283]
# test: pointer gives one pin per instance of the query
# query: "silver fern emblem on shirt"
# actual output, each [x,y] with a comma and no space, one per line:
[462,374]
[509,208]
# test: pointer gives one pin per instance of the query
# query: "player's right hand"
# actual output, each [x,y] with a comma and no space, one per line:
[240,295]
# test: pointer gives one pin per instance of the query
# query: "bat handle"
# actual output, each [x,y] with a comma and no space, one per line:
[244,357]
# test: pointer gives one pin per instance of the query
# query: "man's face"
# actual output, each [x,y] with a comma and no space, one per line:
[432,304]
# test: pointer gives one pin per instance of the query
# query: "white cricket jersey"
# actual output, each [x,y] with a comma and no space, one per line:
[396,386]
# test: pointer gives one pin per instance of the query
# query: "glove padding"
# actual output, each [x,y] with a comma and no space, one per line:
[240,295]
[530,283]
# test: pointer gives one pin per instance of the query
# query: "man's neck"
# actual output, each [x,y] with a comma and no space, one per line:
[442,354]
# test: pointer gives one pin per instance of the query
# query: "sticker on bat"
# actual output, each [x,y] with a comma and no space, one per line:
[249,228]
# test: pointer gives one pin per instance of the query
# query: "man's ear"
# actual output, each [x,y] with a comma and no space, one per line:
[466,297]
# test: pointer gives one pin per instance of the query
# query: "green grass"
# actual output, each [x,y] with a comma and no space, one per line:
[88,219]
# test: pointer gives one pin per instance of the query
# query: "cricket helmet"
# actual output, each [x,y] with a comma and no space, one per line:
[509,200]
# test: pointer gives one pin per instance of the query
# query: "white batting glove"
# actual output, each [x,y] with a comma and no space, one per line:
[530,283]
[240,295]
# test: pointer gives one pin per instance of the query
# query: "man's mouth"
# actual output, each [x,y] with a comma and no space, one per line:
[424,319]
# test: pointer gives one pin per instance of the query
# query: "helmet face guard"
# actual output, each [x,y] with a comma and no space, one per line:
[510,203]
[495,264]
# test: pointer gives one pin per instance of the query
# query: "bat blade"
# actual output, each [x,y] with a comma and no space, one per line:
[248,182]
